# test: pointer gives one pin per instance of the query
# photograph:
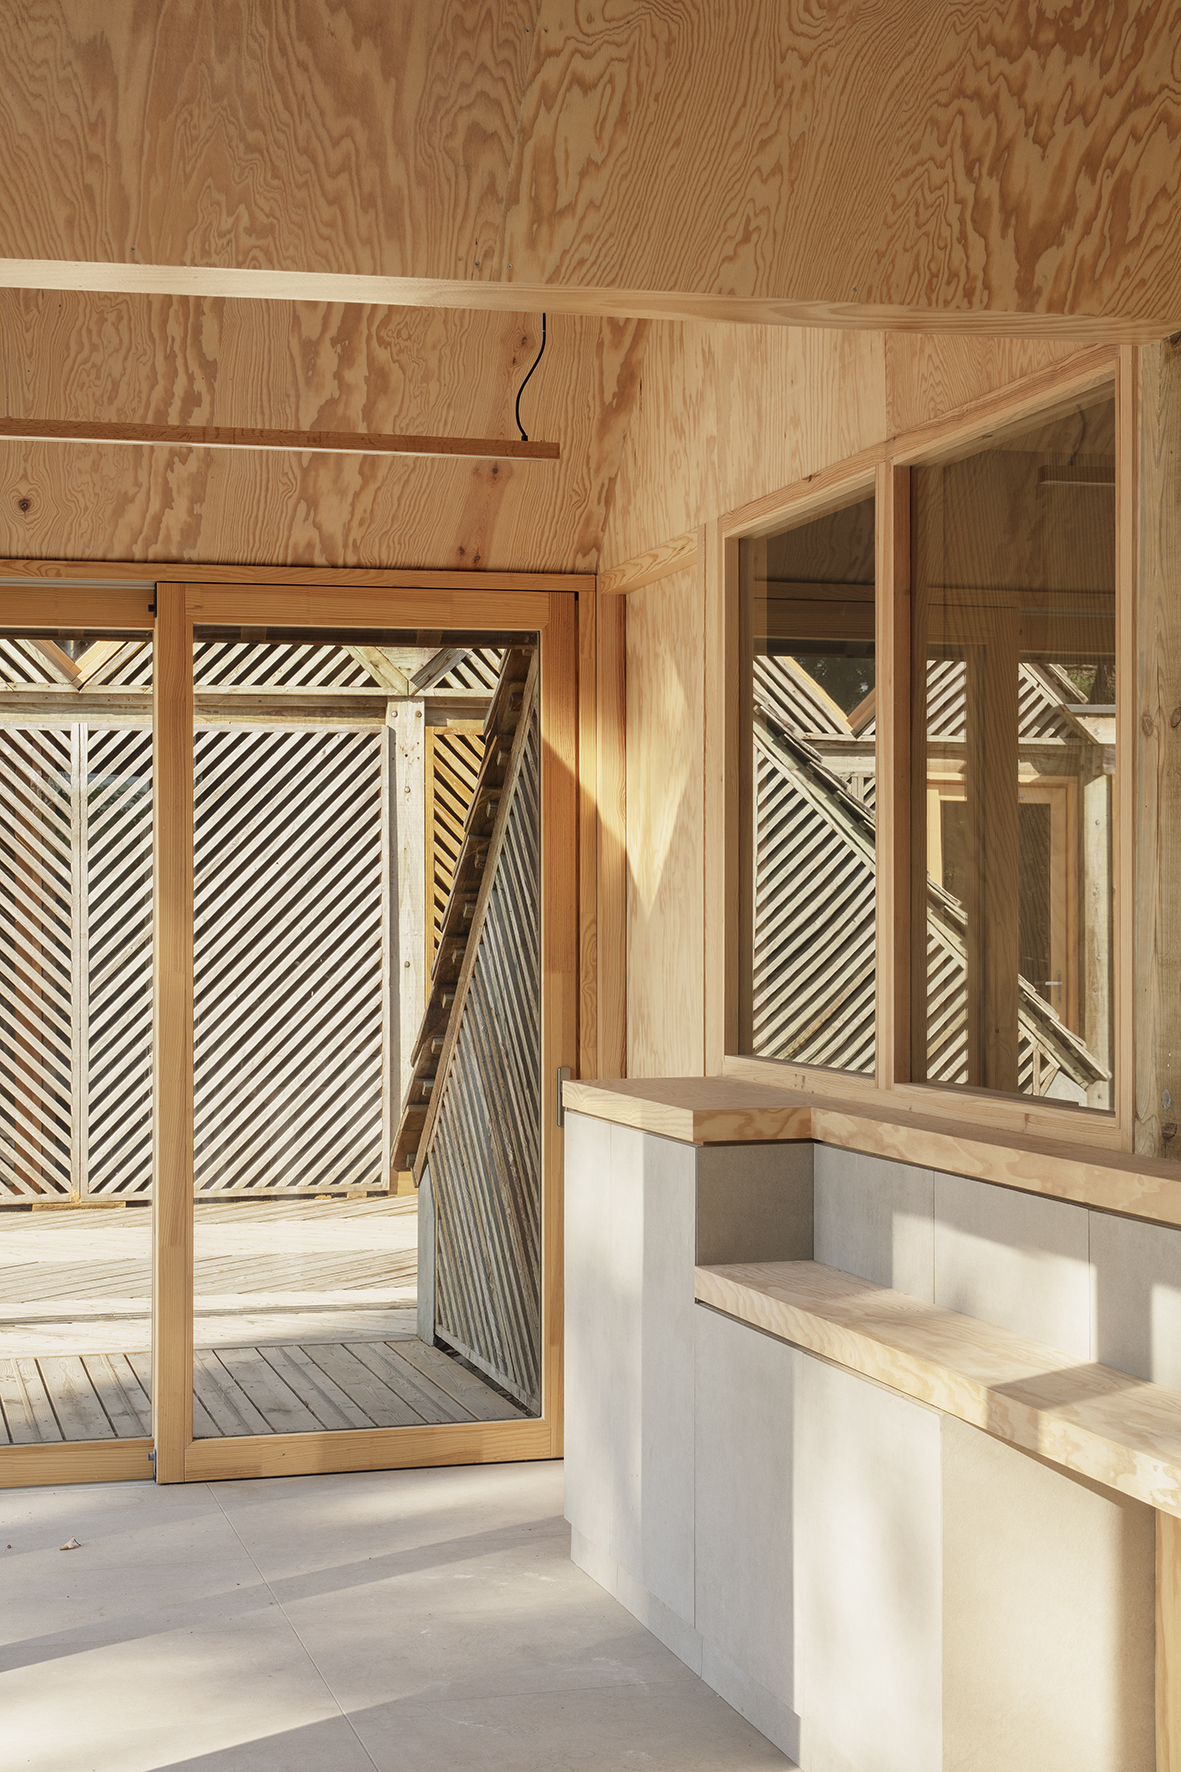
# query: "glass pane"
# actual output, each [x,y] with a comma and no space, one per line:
[367,1102]
[75,1037]
[1014,627]
[810,947]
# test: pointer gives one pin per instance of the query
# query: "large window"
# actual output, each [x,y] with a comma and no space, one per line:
[1013,699]
[927,847]
[809,960]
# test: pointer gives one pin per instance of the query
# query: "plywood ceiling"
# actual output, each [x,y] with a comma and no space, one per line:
[959,162]
[950,158]
[175,361]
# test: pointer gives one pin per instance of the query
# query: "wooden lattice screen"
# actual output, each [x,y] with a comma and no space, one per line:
[290,950]
[453,758]
[75,960]
[482,1145]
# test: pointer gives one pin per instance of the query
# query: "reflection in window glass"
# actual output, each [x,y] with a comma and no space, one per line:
[1014,689]
[809,938]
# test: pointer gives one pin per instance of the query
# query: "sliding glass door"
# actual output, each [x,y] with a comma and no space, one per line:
[286,975]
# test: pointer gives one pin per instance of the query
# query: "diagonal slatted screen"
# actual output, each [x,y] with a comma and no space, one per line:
[117,943]
[485,1152]
[290,954]
[453,769]
[36,967]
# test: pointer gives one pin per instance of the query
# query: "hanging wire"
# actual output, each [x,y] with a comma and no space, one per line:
[525,383]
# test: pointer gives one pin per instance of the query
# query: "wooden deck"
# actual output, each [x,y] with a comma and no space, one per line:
[304,1319]
[283,1389]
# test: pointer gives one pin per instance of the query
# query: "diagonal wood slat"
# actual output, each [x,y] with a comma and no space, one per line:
[36,962]
[481,1142]
[453,761]
[290,946]
[118,863]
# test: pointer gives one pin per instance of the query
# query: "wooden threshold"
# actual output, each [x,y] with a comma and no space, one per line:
[729,1110]
[395,1448]
[97,1461]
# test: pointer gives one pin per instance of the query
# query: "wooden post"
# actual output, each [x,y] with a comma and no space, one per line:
[1156,736]
[1168,1643]
[79,958]
[718,557]
[172,1216]
[611,772]
[752,620]
[588,837]
[993,872]
[412,934]
[893,772]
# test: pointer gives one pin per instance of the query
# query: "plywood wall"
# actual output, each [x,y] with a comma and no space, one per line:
[665,829]
[1003,158]
[180,361]
[725,416]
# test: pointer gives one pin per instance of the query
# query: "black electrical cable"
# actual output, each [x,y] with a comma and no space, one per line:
[525,383]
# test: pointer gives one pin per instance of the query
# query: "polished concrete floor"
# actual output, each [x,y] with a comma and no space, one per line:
[408,1621]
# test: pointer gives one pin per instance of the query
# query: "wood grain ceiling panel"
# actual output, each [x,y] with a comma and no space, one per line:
[946,159]
[179,361]
[942,157]
[346,135]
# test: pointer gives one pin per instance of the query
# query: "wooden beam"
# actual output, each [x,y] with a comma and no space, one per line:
[42,430]
[648,568]
[77,580]
[332,287]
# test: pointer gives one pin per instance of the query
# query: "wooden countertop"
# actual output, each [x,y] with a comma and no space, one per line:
[1088,1419]
[731,1110]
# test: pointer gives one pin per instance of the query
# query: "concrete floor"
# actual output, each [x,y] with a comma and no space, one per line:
[403,1621]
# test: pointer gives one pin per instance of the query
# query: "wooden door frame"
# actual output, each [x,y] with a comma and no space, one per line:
[173,600]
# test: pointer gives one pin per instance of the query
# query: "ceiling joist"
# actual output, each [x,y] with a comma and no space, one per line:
[506,296]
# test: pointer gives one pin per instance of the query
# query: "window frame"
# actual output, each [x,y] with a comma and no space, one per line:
[884,471]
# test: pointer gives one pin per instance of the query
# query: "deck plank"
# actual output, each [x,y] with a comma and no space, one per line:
[384,1407]
[80,1414]
[121,1395]
[332,1407]
[485,1403]
[226,1404]
[275,1401]
[429,1399]
[30,1414]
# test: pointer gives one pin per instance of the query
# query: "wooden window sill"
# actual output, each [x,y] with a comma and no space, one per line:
[729,1110]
